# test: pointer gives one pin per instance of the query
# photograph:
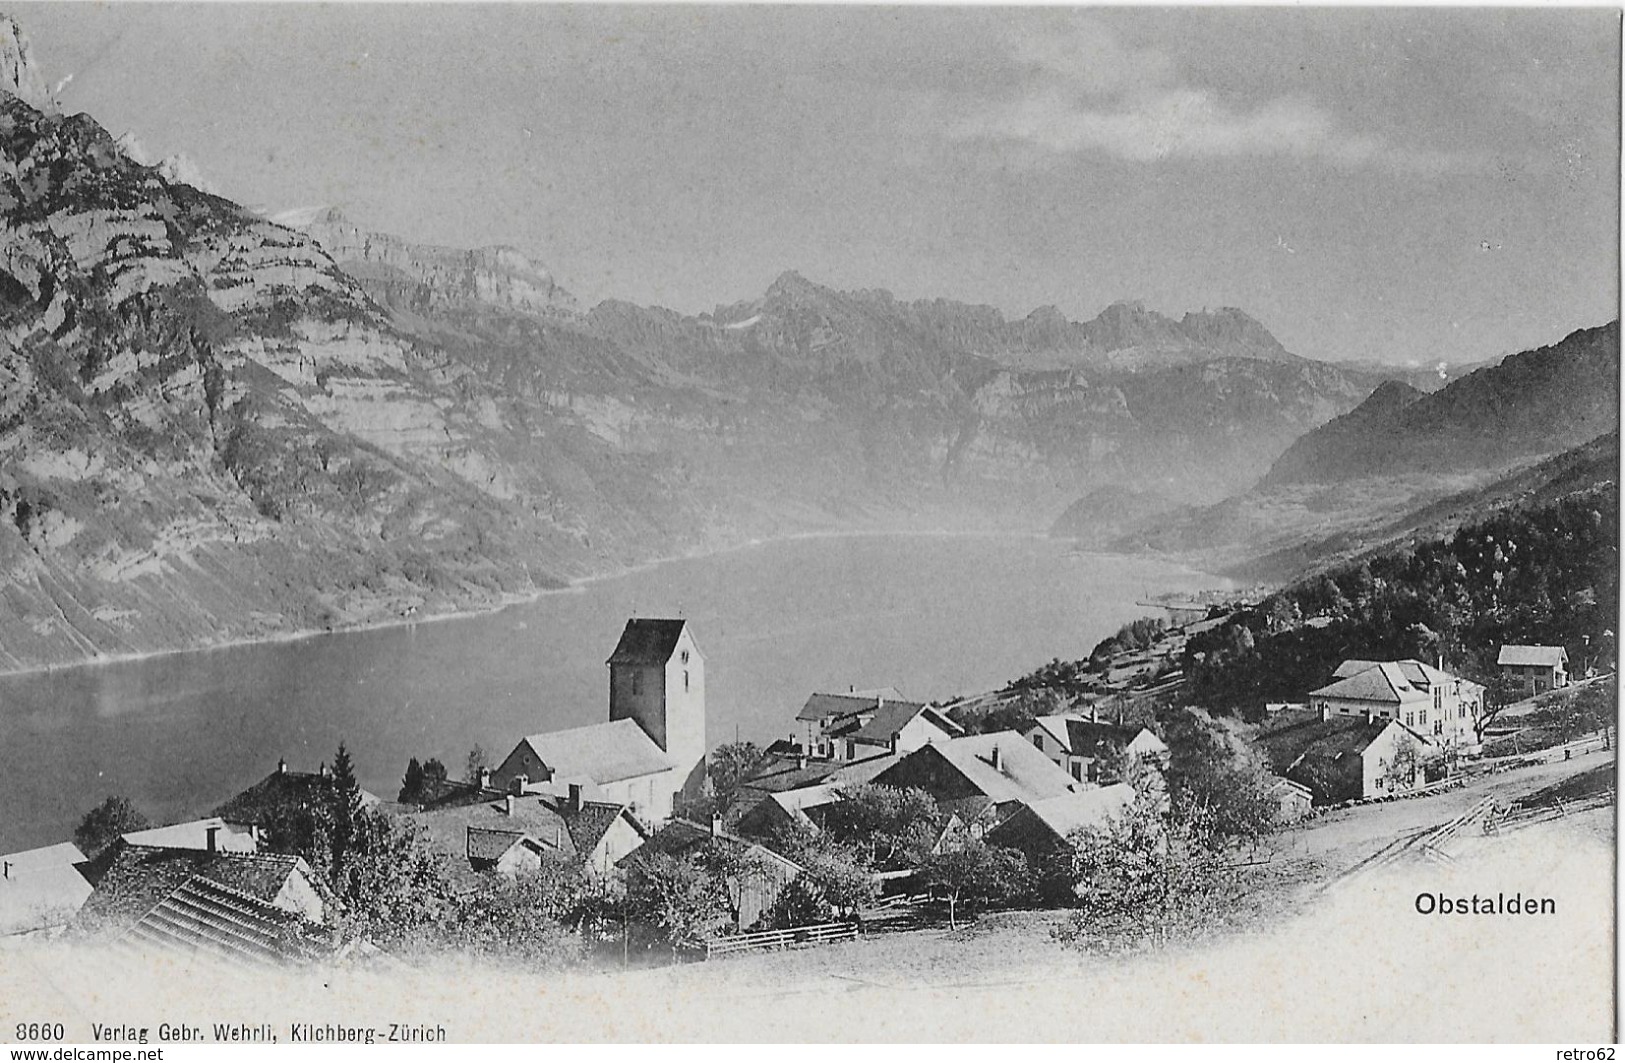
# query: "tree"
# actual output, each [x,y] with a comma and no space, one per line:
[345,799]
[411,783]
[433,771]
[976,875]
[729,765]
[1405,769]
[103,825]
[478,760]
[895,827]
[674,896]
[393,886]
[1144,880]
[1216,773]
[836,879]
[737,869]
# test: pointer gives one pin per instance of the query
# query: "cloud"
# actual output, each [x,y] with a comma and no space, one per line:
[1087,92]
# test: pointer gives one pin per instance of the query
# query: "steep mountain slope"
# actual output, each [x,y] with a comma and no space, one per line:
[1403,461]
[1533,403]
[216,427]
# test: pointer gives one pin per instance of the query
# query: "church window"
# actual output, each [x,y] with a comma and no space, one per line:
[685,680]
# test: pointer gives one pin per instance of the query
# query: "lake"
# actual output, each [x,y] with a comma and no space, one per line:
[932,615]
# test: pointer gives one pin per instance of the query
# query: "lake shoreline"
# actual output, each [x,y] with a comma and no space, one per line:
[573,586]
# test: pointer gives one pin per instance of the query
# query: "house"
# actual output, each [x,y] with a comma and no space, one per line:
[1534,669]
[858,724]
[131,880]
[1293,801]
[41,889]
[795,785]
[981,776]
[753,898]
[1081,746]
[210,833]
[1444,708]
[476,828]
[263,803]
[1041,827]
[1341,758]
[208,919]
[652,749]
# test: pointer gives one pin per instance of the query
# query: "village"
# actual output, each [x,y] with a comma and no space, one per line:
[873,814]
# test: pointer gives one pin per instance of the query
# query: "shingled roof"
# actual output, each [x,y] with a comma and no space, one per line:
[207,918]
[1534,656]
[647,642]
[1065,813]
[893,716]
[131,880]
[1024,774]
[1383,682]
[276,792]
[602,752]
[1330,738]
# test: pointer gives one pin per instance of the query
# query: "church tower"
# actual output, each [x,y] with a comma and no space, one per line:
[657,678]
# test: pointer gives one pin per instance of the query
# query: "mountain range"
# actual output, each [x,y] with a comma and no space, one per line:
[217,425]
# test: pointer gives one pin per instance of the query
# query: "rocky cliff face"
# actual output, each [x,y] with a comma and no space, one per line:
[19,75]
[215,427]
[420,276]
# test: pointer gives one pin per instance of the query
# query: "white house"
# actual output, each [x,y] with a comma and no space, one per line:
[1443,708]
[1535,669]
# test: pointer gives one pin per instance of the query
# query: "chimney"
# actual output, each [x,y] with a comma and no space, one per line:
[851,688]
[995,760]
[5,868]
[507,805]
[323,770]
[281,766]
[520,781]
[214,839]
[484,778]
[575,797]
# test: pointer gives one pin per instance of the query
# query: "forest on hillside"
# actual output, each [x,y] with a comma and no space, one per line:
[1545,575]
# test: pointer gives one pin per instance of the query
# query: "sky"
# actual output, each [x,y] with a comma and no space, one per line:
[1404,186]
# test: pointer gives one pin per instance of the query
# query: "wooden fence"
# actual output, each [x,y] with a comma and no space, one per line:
[819,934]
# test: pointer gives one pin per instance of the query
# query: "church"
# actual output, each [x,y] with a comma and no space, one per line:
[651,750]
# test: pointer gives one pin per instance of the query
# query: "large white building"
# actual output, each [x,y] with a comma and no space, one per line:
[649,752]
[1440,707]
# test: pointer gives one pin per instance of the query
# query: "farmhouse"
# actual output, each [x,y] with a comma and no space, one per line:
[1079,745]
[862,724]
[1444,708]
[981,776]
[476,828]
[277,793]
[1535,669]
[1340,758]
[1040,828]
[650,752]
[752,896]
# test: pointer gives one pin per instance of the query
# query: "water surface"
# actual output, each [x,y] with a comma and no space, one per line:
[931,615]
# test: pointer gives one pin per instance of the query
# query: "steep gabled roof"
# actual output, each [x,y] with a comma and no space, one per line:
[1082,737]
[1024,774]
[893,716]
[131,880]
[1330,738]
[680,836]
[1084,809]
[1384,682]
[822,706]
[451,828]
[58,855]
[278,790]
[602,752]
[1535,656]
[647,641]
[207,918]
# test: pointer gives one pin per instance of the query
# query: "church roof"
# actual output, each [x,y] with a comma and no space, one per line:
[647,642]
[602,752]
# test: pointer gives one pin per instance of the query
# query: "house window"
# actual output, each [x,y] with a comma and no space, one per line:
[1410,719]
[1038,740]
[1438,697]
[1077,771]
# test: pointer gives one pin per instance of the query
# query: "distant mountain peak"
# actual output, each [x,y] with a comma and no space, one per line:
[19,74]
